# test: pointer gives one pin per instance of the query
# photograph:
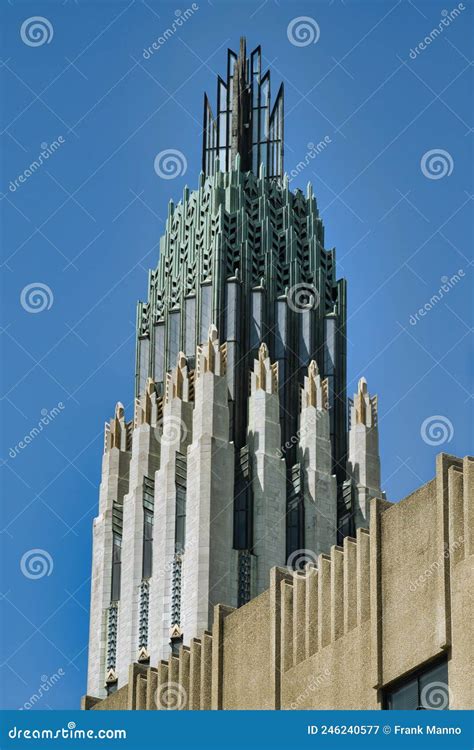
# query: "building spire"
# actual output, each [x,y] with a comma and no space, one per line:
[245,125]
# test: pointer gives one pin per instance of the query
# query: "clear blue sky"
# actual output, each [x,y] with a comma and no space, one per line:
[87,224]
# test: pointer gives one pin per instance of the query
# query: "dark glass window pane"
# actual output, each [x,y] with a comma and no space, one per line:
[426,689]
[255,127]
[255,93]
[222,98]
[293,529]
[176,644]
[242,515]
[147,544]
[305,335]
[345,528]
[180,529]
[143,361]
[255,60]
[434,692]
[280,333]
[190,327]
[116,567]
[255,158]
[223,131]
[405,697]
[232,312]
[256,321]
[222,159]
[232,61]
[159,351]
[206,301]
[111,687]
[174,320]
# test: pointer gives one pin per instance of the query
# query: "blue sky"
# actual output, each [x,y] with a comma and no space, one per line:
[86,224]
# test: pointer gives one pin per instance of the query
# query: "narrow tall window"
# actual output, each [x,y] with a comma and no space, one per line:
[180,518]
[243,510]
[147,543]
[206,310]
[295,511]
[242,515]
[174,339]
[294,532]
[116,567]
[345,527]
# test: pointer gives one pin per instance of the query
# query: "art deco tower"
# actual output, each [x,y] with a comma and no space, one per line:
[236,458]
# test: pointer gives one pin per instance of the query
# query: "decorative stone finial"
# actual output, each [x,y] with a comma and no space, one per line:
[211,357]
[315,390]
[365,406]
[265,374]
[144,405]
[117,431]
[177,381]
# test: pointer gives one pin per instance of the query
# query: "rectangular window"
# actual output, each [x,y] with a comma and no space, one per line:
[330,365]
[294,527]
[143,362]
[173,347]
[426,689]
[345,527]
[190,327]
[116,567]
[159,352]
[223,132]
[180,529]
[281,329]
[256,321]
[147,543]
[242,515]
[232,312]
[206,302]
[305,321]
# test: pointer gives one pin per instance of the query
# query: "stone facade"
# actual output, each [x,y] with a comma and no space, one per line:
[339,635]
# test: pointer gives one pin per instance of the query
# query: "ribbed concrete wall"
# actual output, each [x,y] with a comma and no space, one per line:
[386,603]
